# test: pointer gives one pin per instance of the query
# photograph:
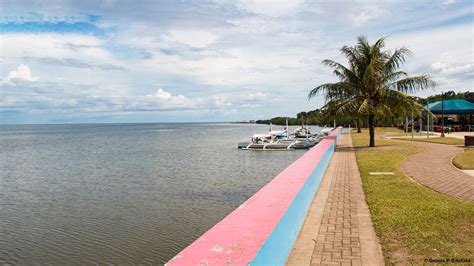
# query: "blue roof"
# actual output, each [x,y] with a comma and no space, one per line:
[457,106]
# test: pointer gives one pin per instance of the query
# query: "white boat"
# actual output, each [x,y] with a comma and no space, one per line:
[303,132]
[280,140]
[326,131]
[278,144]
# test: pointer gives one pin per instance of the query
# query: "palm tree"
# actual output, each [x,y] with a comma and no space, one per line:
[372,84]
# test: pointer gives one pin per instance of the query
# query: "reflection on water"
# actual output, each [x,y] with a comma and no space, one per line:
[126,193]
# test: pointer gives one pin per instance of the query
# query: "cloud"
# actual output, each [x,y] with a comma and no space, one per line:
[453,68]
[363,15]
[220,102]
[257,96]
[70,62]
[22,72]
[67,98]
[448,62]
[272,8]
[193,38]
[55,45]
[449,2]
[215,55]
[165,98]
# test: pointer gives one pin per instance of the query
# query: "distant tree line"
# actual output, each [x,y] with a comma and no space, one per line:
[318,117]
[449,95]
[279,121]
[314,117]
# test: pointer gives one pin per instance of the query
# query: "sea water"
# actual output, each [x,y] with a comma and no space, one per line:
[122,193]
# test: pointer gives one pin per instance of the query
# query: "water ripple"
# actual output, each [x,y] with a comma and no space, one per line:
[121,194]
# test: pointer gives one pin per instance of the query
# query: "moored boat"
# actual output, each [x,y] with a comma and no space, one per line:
[326,131]
[301,138]
[279,144]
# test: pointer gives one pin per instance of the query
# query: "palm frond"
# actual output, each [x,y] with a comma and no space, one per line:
[331,89]
[393,76]
[413,84]
[398,57]
[341,107]
[365,107]
[398,100]
[340,70]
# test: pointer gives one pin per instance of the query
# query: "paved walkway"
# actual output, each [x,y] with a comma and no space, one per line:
[338,229]
[433,168]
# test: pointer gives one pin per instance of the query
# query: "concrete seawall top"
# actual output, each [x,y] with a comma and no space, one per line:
[238,237]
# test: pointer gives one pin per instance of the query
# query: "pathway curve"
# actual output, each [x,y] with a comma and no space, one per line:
[433,168]
[338,229]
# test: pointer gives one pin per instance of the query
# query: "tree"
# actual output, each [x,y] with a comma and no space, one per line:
[469,96]
[371,85]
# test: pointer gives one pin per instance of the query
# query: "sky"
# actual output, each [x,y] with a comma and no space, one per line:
[196,61]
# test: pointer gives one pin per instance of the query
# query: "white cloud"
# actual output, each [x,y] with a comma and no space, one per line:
[39,51]
[193,38]
[449,2]
[271,8]
[448,62]
[22,72]
[256,96]
[362,15]
[221,102]
[47,97]
[224,55]
[76,46]
[452,68]
[165,98]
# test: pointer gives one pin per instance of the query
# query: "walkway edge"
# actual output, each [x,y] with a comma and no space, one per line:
[338,228]
[425,170]
[371,251]
[304,245]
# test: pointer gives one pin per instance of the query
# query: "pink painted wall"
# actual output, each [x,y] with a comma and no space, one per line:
[239,236]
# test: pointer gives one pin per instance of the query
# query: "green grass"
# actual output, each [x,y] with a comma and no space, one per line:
[465,160]
[412,222]
[363,139]
[446,140]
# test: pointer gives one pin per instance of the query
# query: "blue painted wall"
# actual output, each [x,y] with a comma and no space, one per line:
[277,247]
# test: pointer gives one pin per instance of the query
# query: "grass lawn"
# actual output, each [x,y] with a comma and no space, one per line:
[465,160]
[446,140]
[387,131]
[412,222]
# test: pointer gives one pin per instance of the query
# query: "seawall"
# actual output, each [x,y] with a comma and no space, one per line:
[263,229]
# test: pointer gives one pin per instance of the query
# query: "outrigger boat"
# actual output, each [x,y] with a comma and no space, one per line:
[281,140]
[302,132]
[326,131]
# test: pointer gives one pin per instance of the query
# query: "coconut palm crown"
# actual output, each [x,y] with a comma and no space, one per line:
[372,84]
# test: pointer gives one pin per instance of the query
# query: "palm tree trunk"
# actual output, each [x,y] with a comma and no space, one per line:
[358,125]
[371,130]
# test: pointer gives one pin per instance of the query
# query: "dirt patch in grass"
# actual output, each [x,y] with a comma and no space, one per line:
[412,222]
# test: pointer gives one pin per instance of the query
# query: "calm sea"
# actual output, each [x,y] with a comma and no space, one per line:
[123,193]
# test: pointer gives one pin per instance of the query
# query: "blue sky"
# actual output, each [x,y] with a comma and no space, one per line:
[175,61]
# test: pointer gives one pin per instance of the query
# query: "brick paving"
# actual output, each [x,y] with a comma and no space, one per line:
[433,168]
[344,234]
[338,241]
